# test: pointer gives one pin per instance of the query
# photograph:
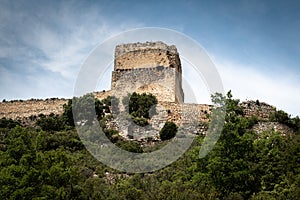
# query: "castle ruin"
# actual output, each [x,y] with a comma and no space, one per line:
[153,67]
[150,67]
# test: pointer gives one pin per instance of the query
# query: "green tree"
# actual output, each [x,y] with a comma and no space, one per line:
[8,123]
[280,116]
[229,165]
[52,123]
[140,105]
[85,108]
[168,131]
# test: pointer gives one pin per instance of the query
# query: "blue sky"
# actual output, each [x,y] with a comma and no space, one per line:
[254,44]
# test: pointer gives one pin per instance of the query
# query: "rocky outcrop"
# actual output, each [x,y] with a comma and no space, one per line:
[258,109]
[272,126]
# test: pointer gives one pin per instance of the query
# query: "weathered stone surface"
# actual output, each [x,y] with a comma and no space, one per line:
[256,108]
[34,107]
[268,126]
[102,95]
[142,62]
[161,83]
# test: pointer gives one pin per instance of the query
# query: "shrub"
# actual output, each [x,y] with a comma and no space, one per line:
[168,131]
[140,121]
[131,146]
[84,111]
[280,116]
[52,123]
[140,104]
[110,133]
[8,123]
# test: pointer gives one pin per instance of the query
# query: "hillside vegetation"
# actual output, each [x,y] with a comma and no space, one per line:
[50,162]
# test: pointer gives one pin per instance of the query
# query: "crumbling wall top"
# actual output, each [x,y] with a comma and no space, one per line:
[125,48]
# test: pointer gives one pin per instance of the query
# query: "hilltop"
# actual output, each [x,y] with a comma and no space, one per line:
[44,156]
[151,68]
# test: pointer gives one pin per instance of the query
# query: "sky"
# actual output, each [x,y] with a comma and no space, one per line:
[254,44]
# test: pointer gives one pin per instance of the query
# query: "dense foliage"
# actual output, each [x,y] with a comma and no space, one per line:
[84,108]
[53,164]
[140,104]
[140,107]
[8,123]
[168,131]
[284,118]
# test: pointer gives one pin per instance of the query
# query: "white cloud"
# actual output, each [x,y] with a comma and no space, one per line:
[248,82]
[45,49]
[194,87]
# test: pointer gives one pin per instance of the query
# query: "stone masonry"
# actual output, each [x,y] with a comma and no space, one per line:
[134,61]
[153,67]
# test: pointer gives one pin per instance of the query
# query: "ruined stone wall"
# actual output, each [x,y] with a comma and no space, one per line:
[145,55]
[159,81]
[149,56]
[193,117]
[23,109]
[125,48]
[146,59]
[182,114]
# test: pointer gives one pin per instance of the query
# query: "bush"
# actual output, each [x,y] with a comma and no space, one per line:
[110,133]
[140,105]
[280,116]
[131,146]
[168,131]
[284,118]
[52,123]
[8,123]
[141,121]
[84,111]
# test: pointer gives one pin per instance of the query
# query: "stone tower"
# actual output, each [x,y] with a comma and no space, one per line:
[153,67]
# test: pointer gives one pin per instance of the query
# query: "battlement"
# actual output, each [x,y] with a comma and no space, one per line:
[130,47]
[146,55]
